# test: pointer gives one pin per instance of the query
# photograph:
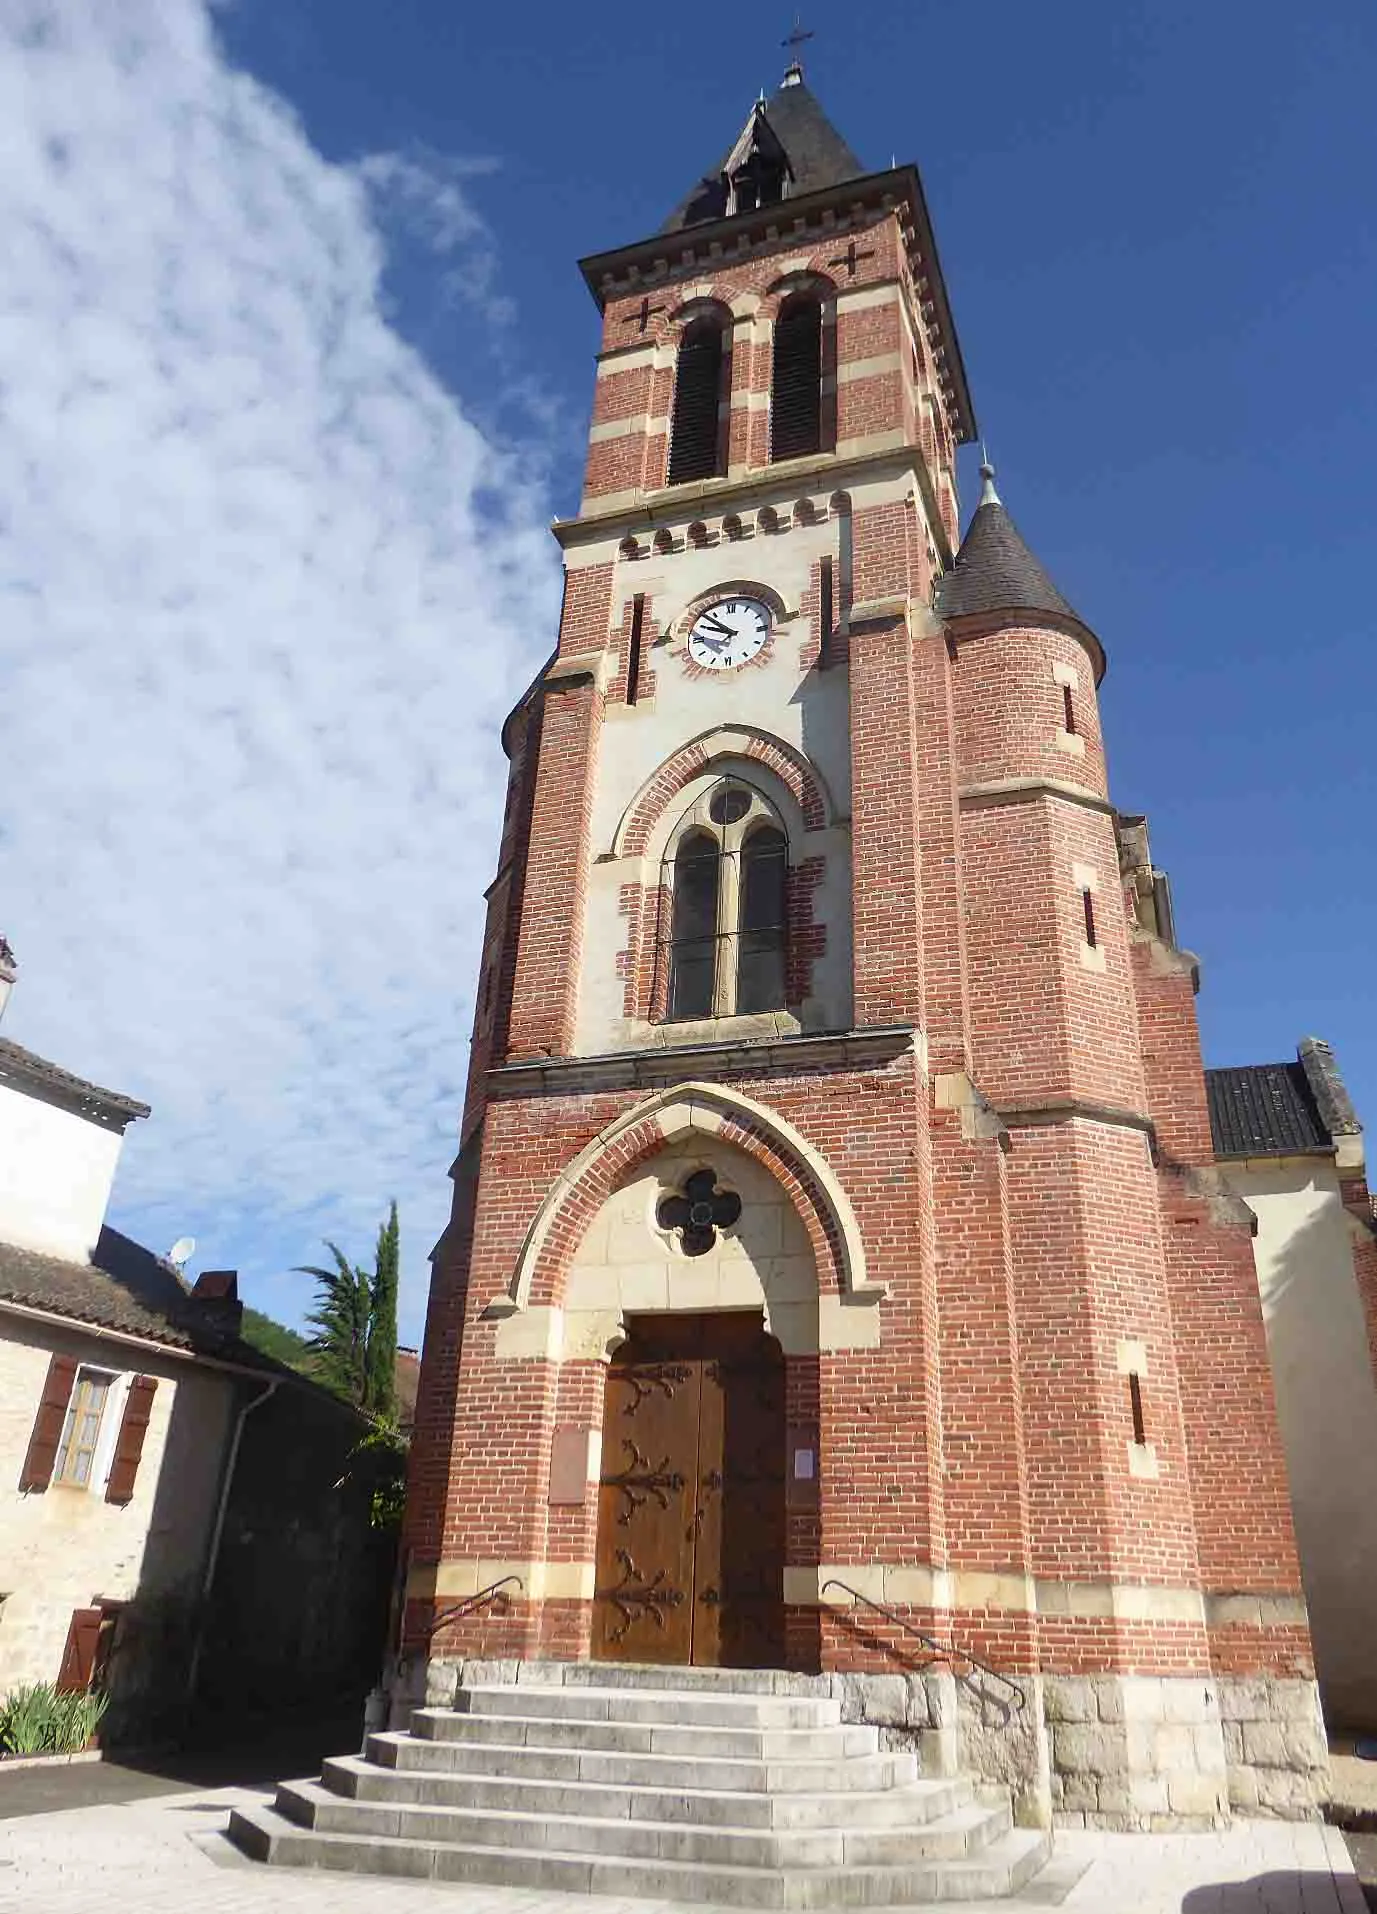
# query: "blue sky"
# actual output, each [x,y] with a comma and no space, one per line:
[354,330]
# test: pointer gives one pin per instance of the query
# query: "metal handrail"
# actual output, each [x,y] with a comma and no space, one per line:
[937,1651]
[469,1603]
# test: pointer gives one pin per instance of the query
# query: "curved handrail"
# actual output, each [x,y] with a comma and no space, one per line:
[937,1651]
[470,1602]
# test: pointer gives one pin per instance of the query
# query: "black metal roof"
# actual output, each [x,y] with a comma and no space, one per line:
[818,155]
[1264,1109]
[36,1076]
[995,571]
[125,1287]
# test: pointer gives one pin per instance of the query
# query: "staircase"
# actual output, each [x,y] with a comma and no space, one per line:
[720,1792]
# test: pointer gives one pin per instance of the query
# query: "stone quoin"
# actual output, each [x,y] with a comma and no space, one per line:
[838,1248]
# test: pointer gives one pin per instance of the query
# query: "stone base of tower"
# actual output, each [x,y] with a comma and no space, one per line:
[1158,1752]
[1120,1752]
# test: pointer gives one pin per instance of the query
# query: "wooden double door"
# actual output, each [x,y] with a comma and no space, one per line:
[691,1500]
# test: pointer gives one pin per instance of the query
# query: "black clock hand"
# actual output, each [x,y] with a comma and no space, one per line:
[715,624]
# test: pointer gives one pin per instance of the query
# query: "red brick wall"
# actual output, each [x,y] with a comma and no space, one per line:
[991,1431]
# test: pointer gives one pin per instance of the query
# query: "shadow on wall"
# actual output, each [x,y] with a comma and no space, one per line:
[294,1624]
[1327,1409]
[296,1621]
[153,1641]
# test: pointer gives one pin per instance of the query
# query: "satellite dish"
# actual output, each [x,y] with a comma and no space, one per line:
[182,1252]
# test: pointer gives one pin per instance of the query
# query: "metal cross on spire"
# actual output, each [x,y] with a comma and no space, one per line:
[795,40]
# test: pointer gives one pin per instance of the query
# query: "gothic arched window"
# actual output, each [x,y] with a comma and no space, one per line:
[726,878]
[796,386]
[696,437]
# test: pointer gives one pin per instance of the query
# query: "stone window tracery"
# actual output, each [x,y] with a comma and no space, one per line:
[726,876]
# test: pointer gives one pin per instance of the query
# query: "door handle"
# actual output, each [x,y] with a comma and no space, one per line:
[713,1480]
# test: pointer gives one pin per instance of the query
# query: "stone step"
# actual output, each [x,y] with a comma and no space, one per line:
[668,1706]
[905,1806]
[1000,1869]
[681,1679]
[952,1836]
[394,1749]
[645,1737]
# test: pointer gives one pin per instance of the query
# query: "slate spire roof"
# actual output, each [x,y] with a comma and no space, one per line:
[817,154]
[994,570]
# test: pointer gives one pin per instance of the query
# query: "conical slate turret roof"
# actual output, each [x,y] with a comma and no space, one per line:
[994,569]
[817,154]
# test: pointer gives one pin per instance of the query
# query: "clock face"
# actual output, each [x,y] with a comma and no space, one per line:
[729,633]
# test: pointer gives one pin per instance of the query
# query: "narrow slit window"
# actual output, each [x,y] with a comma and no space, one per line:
[1135,1398]
[764,908]
[1069,709]
[695,436]
[633,658]
[693,946]
[796,386]
[1087,898]
[825,609]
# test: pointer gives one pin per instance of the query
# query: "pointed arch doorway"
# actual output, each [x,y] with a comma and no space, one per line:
[691,1498]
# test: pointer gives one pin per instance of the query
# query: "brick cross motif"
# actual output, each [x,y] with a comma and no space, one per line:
[851,258]
[642,318]
[699,1213]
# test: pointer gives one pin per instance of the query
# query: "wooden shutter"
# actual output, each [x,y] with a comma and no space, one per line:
[796,387]
[37,1471]
[79,1656]
[138,1406]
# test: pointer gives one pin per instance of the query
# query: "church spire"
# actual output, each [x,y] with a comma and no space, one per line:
[787,144]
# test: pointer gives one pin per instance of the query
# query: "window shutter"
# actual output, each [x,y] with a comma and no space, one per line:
[138,1407]
[37,1471]
[79,1656]
[796,387]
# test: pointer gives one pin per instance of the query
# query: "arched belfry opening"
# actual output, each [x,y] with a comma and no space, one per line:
[796,400]
[702,380]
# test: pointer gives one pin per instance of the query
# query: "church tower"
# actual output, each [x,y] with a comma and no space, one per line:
[837,1248]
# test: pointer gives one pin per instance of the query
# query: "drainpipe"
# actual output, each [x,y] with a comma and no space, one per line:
[217,1532]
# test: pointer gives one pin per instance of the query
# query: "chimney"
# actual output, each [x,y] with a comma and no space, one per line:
[9,970]
[215,1303]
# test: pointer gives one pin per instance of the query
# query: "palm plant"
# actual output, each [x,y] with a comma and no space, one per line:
[354,1349]
[341,1320]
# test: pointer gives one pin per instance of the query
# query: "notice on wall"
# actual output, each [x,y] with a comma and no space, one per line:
[803,1465]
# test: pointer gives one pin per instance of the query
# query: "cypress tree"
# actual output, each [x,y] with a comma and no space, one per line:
[381,1364]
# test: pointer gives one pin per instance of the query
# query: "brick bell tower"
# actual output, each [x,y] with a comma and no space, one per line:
[837,1249]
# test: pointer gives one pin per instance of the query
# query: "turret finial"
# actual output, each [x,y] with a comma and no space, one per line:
[988,494]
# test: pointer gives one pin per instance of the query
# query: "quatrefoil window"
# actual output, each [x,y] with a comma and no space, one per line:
[699,1212]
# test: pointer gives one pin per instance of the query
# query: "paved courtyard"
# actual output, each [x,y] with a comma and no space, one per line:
[166,1855]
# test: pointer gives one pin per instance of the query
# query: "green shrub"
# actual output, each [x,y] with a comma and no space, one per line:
[37,1720]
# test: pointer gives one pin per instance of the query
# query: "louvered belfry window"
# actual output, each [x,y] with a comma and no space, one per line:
[695,437]
[796,393]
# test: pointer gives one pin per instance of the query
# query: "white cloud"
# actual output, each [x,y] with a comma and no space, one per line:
[265,595]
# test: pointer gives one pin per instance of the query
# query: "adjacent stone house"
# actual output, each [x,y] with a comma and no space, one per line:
[178,1513]
[1291,1146]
